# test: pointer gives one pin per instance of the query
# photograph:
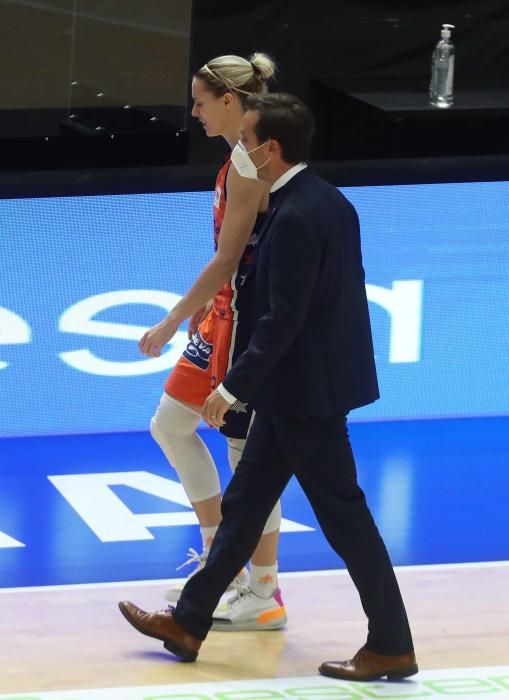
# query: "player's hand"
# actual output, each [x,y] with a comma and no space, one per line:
[213,409]
[196,319]
[156,338]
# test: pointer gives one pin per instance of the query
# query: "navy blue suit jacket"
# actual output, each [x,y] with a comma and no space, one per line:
[311,352]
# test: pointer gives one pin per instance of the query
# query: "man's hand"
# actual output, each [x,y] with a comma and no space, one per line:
[156,338]
[213,409]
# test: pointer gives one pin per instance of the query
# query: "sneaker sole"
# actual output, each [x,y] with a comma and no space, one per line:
[173,596]
[227,626]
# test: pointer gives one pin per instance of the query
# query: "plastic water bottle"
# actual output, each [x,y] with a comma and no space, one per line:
[442,70]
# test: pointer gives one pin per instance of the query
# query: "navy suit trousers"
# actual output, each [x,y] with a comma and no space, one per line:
[318,452]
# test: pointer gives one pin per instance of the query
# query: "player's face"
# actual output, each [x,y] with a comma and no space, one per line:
[209,109]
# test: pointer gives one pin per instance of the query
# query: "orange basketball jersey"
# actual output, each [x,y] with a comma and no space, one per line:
[224,332]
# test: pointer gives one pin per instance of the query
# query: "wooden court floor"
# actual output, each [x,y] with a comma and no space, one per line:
[74,637]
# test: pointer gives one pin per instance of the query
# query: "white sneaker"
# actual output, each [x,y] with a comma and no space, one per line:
[172,594]
[247,611]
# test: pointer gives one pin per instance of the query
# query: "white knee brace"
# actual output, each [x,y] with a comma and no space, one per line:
[235,448]
[174,429]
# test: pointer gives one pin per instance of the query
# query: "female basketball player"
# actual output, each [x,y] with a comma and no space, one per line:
[218,333]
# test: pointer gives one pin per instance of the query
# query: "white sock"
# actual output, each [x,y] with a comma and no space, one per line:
[207,535]
[263,580]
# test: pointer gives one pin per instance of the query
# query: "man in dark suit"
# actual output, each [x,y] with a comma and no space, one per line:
[309,362]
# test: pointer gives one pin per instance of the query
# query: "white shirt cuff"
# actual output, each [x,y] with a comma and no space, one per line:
[226,394]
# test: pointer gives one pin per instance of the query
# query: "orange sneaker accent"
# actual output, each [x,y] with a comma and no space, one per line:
[270,615]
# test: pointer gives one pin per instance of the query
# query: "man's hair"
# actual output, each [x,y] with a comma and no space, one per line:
[287,120]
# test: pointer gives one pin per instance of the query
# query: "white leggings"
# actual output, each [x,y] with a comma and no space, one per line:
[174,429]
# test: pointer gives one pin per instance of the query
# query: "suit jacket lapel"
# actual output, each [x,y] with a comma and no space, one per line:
[278,198]
[268,218]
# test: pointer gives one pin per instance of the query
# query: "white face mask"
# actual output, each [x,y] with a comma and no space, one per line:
[243,163]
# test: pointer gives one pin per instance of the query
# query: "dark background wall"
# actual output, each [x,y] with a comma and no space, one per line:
[352,44]
[125,51]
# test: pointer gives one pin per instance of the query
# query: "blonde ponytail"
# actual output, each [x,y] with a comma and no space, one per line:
[242,76]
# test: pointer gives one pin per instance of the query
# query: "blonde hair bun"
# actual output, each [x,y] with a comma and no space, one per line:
[264,65]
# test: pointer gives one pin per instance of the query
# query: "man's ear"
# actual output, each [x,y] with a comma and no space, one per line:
[274,147]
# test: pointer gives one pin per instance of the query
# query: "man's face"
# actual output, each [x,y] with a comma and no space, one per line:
[248,138]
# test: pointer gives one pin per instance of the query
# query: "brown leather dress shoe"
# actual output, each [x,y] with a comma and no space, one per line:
[368,666]
[161,625]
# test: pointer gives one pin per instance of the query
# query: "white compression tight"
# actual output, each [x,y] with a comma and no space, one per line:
[235,448]
[173,427]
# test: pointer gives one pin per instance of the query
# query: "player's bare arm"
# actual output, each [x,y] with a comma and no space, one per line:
[245,199]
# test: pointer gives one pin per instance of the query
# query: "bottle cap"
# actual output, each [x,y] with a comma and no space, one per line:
[446,30]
